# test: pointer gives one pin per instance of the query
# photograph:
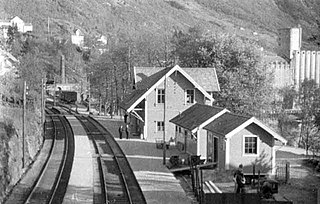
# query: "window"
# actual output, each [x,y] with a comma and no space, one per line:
[189,96]
[180,130]
[160,96]
[250,144]
[160,126]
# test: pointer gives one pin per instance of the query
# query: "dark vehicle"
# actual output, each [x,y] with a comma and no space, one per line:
[69,97]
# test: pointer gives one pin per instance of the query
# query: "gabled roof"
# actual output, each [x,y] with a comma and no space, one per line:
[146,86]
[16,19]
[205,77]
[149,81]
[141,73]
[229,124]
[197,116]
[131,99]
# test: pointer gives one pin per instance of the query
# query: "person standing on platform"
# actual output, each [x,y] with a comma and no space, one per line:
[126,118]
[120,131]
[239,179]
[127,130]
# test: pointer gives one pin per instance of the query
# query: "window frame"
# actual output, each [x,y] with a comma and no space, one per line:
[244,145]
[159,127]
[193,96]
[161,97]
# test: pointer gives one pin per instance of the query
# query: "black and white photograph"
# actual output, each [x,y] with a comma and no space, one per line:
[160,101]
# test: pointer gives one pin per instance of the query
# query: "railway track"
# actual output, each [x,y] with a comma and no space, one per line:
[118,182]
[49,186]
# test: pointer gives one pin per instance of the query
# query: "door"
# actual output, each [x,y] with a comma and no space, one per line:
[212,148]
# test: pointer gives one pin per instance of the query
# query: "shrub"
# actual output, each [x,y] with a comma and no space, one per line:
[176,5]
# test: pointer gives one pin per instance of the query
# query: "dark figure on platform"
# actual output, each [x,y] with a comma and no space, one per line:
[120,131]
[266,190]
[126,118]
[127,130]
[239,180]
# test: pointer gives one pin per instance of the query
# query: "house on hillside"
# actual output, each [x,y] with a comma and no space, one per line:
[7,62]
[77,38]
[160,96]
[225,138]
[21,25]
[15,21]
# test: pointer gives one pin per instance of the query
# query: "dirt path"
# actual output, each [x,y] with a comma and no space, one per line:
[304,182]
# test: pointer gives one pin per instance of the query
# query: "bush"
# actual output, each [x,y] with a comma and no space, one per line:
[176,5]
[9,127]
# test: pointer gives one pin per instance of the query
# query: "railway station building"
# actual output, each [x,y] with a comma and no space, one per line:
[160,94]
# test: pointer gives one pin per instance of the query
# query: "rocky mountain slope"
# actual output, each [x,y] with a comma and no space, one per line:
[255,19]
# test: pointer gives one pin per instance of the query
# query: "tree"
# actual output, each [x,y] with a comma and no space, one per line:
[309,104]
[244,79]
[287,121]
[117,62]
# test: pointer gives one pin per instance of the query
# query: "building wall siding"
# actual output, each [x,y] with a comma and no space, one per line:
[176,85]
[262,160]
[202,139]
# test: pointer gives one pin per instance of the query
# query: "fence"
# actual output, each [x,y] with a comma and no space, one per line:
[282,171]
[234,198]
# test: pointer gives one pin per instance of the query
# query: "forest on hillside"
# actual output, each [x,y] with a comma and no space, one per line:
[227,35]
[113,18]
[194,33]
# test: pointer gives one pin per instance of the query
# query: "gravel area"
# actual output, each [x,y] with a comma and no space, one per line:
[304,182]
[302,187]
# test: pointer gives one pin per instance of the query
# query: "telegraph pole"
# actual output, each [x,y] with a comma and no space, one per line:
[54,93]
[164,121]
[24,120]
[89,94]
[42,100]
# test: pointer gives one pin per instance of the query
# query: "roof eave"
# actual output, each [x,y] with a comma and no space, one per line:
[254,120]
[223,111]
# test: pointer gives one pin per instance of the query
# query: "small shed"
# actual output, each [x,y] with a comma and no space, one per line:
[226,138]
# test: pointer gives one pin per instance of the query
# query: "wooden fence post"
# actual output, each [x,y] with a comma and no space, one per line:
[287,172]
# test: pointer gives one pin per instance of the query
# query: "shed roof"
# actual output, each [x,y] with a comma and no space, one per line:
[229,124]
[226,123]
[205,77]
[196,115]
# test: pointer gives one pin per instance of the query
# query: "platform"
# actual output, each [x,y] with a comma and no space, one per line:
[80,186]
[158,184]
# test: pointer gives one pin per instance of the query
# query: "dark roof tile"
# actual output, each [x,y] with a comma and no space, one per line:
[226,123]
[195,116]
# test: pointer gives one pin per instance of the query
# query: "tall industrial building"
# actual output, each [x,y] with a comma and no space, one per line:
[303,64]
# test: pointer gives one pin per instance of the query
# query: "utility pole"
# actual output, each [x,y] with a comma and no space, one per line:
[48,25]
[42,100]
[129,69]
[164,120]
[107,95]
[54,92]
[89,94]
[24,120]
[116,87]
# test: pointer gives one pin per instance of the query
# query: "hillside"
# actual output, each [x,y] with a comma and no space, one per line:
[255,19]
